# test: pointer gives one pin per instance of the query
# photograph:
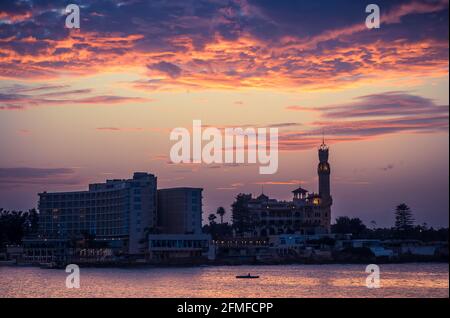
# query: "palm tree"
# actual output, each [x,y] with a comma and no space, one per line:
[221,211]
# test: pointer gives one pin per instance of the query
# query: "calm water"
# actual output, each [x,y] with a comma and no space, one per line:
[405,280]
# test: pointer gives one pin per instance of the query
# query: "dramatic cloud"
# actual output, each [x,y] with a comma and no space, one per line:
[19,97]
[288,182]
[386,104]
[27,175]
[369,117]
[166,68]
[119,129]
[198,44]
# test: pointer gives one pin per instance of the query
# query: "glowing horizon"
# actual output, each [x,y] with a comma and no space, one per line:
[82,106]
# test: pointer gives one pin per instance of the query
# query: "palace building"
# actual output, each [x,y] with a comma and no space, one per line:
[307,214]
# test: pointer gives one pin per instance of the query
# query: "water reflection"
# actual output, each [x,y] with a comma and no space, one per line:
[405,280]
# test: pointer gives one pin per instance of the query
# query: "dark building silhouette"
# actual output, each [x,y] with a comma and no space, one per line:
[307,213]
[324,171]
[116,212]
[123,215]
[180,210]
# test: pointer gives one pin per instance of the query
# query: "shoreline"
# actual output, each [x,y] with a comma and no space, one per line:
[224,264]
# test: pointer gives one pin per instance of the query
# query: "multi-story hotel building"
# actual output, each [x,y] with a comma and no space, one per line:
[307,213]
[117,212]
[180,210]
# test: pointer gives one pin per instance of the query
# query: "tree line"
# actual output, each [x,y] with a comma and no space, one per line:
[14,225]
[404,226]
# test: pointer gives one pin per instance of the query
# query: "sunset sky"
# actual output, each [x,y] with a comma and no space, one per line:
[97,103]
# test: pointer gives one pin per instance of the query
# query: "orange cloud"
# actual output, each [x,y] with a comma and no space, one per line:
[14,99]
[288,182]
[333,59]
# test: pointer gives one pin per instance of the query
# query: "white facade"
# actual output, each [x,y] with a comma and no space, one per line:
[178,246]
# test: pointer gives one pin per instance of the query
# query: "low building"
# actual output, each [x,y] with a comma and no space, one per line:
[38,251]
[241,250]
[166,247]
[14,252]
[414,247]
[375,246]
[287,245]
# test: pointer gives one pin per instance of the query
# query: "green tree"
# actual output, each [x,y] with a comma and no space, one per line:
[242,221]
[30,221]
[346,225]
[218,231]
[221,212]
[404,220]
[212,219]
[14,225]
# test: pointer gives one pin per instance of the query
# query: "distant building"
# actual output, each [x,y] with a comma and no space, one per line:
[239,250]
[375,246]
[180,210]
[117,212]
[307,213]
[117,218]
[166,247]
[180,237]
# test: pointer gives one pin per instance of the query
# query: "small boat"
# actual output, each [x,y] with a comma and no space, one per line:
[247,276]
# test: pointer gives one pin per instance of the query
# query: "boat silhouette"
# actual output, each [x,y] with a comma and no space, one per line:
[247,276]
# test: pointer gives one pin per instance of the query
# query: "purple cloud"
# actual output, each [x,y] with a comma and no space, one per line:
[168,68]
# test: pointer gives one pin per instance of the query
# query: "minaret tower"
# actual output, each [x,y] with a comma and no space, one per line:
[324,171]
